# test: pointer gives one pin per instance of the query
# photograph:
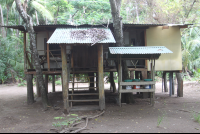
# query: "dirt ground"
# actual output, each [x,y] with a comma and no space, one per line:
[177,113]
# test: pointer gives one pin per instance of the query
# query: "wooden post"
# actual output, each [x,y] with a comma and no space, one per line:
[46,82]
[132,73]
[48,60]
[100,79]
[30,96]
[119,78]
[170,83]
[53,83]
[180,85]
[38,88]
[112,82]
[65,80]
[25,65]
[165,81]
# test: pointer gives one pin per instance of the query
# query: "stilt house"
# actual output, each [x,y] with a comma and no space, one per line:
[66,49]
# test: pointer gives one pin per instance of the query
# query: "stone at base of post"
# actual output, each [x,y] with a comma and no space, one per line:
[30,96]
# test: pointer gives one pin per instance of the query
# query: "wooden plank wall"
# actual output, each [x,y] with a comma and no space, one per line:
[85,56]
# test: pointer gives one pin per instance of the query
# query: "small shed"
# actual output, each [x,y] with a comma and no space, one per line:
[147,53]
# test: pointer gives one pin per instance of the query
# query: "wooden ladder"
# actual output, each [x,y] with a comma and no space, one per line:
[73,93]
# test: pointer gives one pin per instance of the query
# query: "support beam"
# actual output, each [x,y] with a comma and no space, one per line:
[100,79]
[30,96]
[53,84]
[179,85]
[65,80]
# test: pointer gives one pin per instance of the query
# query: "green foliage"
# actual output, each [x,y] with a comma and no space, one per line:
[58,82]
[11,65]
[196,117]
[160,118]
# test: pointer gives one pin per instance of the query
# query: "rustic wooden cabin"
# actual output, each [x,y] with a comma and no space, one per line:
[65,49]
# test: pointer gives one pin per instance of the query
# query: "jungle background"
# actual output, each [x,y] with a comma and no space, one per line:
[77,12]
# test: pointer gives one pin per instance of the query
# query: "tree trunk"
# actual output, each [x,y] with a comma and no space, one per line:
[8,9]
[30,96]
[29,26]
[118,34]
[2,23]
[36,15]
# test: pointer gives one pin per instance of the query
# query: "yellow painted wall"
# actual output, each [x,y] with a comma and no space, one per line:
[171,39]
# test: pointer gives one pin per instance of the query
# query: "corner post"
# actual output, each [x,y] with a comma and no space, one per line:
[100,78]
[65,80]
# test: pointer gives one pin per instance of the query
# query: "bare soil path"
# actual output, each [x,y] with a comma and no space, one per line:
[175,114]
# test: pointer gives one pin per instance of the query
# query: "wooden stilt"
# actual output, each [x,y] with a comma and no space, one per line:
[30,96]
[112,82]
[165,81]
[46,82]
[170,83]
[180,85]
[53,83]
[65,83]
[100,79]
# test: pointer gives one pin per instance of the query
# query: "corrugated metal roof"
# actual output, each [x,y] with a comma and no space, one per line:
[140,50]
[64,35]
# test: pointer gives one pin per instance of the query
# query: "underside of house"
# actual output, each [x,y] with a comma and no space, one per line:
[68,50]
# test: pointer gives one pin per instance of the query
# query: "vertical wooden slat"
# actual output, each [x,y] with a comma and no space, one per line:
[119,78]
[145,41]
[48,60]
[100,79]
[65,83]
[25,65]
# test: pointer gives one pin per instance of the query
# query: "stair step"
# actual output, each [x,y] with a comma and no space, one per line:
[84,94]
[83,100]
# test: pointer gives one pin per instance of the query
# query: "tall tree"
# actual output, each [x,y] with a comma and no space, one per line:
[118,33]
[2,22]
[29,27]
